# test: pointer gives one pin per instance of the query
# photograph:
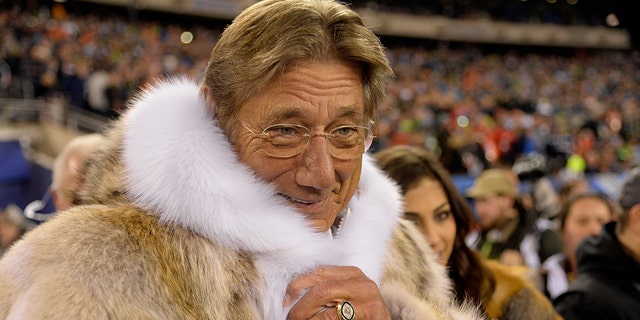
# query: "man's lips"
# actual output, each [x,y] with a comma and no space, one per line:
[298,200]
[306,203]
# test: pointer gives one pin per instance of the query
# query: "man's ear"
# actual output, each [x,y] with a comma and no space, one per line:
[209,100]
[55,196]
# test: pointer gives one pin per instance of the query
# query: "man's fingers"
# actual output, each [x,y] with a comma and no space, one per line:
[314,303]
[322,274]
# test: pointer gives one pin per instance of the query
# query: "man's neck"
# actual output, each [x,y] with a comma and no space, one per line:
[508,226]
[631,243]
[501,232]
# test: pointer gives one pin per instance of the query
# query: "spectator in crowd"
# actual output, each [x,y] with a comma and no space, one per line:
[67,174]
[581,216]
[246,197]
[434,204]
[540,196]
[13,224]
[503,221]
[607,285]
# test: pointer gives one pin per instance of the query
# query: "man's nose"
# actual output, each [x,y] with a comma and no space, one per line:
[595,227]
[317,169]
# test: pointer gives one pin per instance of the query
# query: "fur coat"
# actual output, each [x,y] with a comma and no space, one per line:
[170,225]
[516,295]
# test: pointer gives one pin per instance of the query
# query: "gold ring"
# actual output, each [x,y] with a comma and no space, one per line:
[346,311]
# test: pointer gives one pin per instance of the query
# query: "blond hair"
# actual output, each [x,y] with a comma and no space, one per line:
[271,35]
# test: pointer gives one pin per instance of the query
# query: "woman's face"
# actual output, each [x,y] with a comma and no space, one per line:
[585,218]
[427,206]
[319,96]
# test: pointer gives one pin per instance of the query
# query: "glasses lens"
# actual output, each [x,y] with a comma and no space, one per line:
[349,142]
[288,140]
[285,140]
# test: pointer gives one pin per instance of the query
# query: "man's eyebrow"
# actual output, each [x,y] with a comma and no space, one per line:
[286,112]
[351,112]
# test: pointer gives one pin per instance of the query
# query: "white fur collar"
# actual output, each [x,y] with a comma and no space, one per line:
[179,164]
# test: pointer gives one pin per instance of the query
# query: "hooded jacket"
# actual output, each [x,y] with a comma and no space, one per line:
[607,285]
[170,225]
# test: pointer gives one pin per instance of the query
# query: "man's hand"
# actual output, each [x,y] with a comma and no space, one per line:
[323,289]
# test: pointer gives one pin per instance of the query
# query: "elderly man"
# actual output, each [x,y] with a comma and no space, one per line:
[607,285]
[246,197]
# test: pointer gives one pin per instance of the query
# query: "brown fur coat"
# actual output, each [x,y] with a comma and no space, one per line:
[516,296]
[169,225]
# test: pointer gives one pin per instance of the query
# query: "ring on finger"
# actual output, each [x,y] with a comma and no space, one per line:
[346,311]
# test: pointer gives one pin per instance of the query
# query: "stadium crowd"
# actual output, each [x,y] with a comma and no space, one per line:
[503,10]
[475,108]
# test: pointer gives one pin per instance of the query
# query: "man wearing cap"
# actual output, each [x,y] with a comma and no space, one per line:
[504,222]
[607,285]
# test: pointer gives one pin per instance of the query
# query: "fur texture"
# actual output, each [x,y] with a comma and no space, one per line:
[409,274]
[173,226]
[516,296]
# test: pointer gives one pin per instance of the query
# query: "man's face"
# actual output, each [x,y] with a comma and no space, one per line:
[319,96]
[492,211]
[585,218]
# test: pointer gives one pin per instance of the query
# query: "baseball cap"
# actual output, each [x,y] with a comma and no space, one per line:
[630,191]
[492,182]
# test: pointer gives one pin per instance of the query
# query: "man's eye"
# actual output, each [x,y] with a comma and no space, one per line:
[582,222]
[287,130]
[284,130]
[346,131]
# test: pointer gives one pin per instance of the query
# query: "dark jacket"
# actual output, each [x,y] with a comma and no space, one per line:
[608,281]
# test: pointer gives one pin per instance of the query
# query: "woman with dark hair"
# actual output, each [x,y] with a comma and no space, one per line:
[434,204]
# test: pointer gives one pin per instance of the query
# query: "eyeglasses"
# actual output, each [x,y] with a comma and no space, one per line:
[288,140]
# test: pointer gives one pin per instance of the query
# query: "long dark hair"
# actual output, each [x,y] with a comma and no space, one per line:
[408,166]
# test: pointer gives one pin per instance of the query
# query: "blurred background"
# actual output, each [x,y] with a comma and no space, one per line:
[546,87]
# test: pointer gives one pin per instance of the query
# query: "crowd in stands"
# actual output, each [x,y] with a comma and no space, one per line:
[96,62]
[475,108]
[495,107]
[560,12]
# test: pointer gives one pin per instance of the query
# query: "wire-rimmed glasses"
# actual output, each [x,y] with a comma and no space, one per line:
[285,140]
